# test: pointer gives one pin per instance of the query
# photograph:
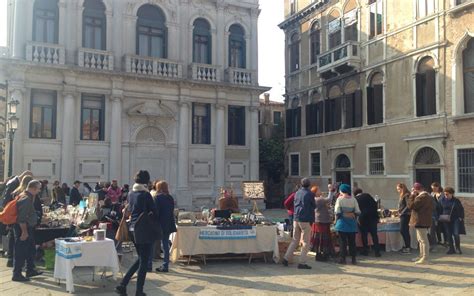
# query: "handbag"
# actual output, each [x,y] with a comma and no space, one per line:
[122,234]
[446,218]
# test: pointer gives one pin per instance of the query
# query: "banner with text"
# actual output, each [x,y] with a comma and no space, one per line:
[231,234]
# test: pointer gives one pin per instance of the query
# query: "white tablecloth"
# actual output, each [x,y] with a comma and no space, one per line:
[94,254]
[187,243]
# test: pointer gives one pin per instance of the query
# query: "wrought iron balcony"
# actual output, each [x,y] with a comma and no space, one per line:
[45,53]
[95,59]
[153,66]
[340,58]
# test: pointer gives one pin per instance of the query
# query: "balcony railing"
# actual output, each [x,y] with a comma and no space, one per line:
[45,53]
[241,76]
[205,72]
[95,59]
[345,53]
[153,66]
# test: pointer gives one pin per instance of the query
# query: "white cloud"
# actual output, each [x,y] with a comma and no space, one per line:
[3,22]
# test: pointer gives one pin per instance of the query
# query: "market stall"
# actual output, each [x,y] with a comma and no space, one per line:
[210,240]
[82,252]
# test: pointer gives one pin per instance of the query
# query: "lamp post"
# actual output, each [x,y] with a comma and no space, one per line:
[12,127]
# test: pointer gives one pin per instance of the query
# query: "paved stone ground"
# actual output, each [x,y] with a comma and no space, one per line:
[393,274]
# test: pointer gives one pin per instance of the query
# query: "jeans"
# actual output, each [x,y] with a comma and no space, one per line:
[24,251]
[405,229]
[300,228]
[347,238]
[451,230]
[290,224]
[440,230]
[370,227]
[143,251]
[422,236]
[166,250]
[11,244]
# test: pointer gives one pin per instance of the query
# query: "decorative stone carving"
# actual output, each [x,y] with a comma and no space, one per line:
[151,134]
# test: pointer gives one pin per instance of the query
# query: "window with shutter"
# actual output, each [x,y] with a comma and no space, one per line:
[320,128]
[468,69]
[349,111]
[297,119]
[426,88]
[236,125]
[338,114]
[370,106]
[358,108]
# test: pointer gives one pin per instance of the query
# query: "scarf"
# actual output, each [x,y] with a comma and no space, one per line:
[139,187]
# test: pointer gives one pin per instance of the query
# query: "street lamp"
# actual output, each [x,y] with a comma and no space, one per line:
[12,127]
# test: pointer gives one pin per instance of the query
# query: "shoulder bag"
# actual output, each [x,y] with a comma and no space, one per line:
[446,218]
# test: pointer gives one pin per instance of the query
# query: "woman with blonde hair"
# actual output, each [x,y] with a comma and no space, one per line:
[164,203]
[23,185]
[404,212]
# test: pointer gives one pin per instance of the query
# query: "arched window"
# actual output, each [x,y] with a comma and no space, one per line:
[151,32]
[350,21]
[468,69]
[352,105]
[315,39]
[45,21]
[294,52]
[427,156]
[375,99]
[202,42]
[334,29]
[94,25]
[237,57]
[342,162]
[426,88]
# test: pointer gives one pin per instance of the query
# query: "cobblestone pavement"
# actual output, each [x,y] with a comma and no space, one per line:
[393,274]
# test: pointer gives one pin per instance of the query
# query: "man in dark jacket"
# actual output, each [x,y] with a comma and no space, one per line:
[305,205]
[421,206]
[76,196]
[368,220]
[27,219]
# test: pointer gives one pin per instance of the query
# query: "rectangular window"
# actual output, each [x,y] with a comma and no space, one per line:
[425,8]
[276,117]
[314,118]
[294,164]
[426,93]
[236,125]
[466,170]
[151,42]
[375,104]
[350,26]
[353,110]
[45,26]
[334,32]
[201,49]
[333,114]
[293,122]
[201,123]
[376,161]
[315,45]
[43,114]
[376,18]
[315,159]
[94,32]
[92,117]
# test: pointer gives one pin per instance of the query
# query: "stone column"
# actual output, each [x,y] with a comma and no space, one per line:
[185,197]
[221,40]
[67,146]
[219,171]
[18,165]
[63,23]
[19,29]
[115,158]
[253,54]
[109,30]
[254,149]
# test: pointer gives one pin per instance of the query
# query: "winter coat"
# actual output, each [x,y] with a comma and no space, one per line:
[455,210]
[422,210]
[165,206]
[368,209]
[304,206]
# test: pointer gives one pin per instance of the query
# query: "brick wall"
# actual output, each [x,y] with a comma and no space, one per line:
[468,204]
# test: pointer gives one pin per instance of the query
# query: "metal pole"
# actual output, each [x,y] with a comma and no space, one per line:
[10,156]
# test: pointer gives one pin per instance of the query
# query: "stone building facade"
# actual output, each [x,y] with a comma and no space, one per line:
[271,116]
[381,92]
[110,87]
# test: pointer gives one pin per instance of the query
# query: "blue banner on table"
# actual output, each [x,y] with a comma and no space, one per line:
[228,234]
[68,250]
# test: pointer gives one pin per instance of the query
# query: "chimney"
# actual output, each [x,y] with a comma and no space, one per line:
[267,98]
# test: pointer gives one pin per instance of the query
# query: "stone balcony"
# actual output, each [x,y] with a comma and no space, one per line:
[95,59]
[241,76]
[205,72]
[340,59]
[154,67]
[45,53]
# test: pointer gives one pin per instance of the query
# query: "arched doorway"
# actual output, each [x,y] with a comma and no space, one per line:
[427,167]
[342,168]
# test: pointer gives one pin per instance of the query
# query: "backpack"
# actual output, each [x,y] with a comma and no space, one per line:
[9,214]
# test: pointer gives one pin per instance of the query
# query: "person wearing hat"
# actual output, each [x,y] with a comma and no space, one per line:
[346,210]
[303,218]
[421,206]
[76,196]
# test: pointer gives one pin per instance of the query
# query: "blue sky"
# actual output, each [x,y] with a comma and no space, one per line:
[271,45]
